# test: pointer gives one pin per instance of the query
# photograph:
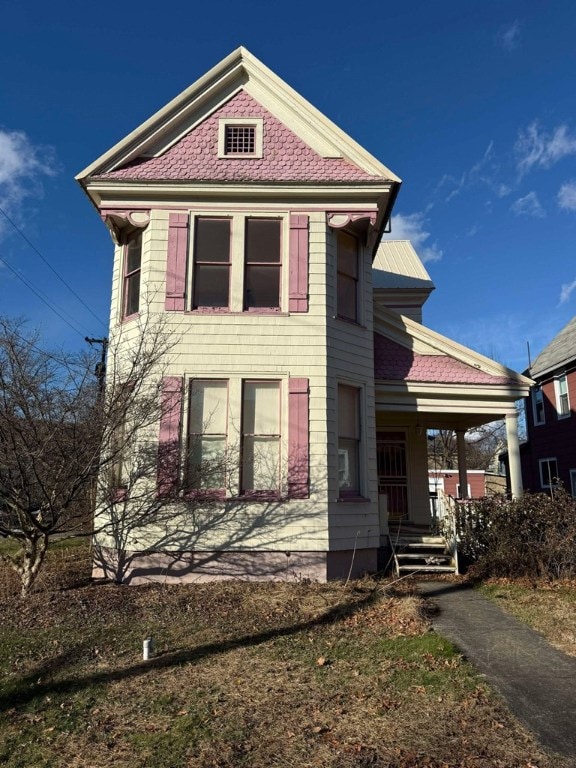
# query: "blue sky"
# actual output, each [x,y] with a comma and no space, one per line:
[472,104]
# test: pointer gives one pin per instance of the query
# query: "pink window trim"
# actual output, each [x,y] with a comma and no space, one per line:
[298,439]
[169,439]
[225,311]
[298,278]
[176,262]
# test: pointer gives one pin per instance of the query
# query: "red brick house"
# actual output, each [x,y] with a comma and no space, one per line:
[549,454]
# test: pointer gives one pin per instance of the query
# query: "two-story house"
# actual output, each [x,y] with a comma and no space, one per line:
[549,454]
[252,224]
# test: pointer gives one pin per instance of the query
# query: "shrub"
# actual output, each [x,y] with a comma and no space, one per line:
[532,536]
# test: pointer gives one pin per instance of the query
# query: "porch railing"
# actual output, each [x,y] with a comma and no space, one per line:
[445,513]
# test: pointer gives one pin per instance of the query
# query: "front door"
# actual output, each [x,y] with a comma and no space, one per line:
[392,474]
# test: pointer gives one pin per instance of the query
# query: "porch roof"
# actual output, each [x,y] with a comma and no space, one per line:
[395,362]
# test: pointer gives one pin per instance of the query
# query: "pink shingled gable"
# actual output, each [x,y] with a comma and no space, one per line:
[393,362]
[285,157]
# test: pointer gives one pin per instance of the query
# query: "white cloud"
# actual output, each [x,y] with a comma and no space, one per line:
[529,205]
[22,165]
[566,291]
[567,196]
[535,147]
[508,36]
[483,172]
[411,227]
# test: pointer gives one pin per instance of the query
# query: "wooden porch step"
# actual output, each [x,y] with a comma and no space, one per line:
[423,555]
[426,568]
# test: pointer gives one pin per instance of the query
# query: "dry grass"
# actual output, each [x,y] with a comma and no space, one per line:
[293,675]
[550,608]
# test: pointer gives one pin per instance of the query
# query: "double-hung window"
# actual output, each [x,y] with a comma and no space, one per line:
[548,473]
[538,406]
[348,440]
[562,398]
[212,263]
[260,437]
[132,267]
[347,289]
[262,263]
[207,435]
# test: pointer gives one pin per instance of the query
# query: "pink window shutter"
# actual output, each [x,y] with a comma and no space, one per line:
[169,440]
[298,287]
[298,439]
[176,262]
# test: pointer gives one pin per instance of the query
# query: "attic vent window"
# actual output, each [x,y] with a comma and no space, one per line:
[240,137]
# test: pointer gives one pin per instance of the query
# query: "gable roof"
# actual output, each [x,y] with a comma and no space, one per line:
[285,156]
[560,352]
[407,351]
[238,72]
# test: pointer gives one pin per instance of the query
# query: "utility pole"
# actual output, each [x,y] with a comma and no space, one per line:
[100,367]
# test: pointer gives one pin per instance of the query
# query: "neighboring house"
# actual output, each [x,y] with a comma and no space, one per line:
[549,454]
[253,225]
[480,483]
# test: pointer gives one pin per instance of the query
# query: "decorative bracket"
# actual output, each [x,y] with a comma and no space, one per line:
[123,224]
[340,219]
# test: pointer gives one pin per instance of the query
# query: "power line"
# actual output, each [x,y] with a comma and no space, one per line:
[72,291]
[37,293]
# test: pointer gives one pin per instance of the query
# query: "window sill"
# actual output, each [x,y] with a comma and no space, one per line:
[208,494]
[260,496]
[354,498]
[348,321]
[127,318]
[229,313]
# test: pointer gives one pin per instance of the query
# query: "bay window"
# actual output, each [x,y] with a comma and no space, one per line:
[132,269]
[260,469]
[211,263]
[207,434]
[262,263]
[348,440]
[347,282]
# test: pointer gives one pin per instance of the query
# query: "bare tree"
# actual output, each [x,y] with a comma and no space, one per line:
[62,439]
[483,444]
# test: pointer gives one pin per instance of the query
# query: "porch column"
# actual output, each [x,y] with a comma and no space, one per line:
[462,473]
[514,455]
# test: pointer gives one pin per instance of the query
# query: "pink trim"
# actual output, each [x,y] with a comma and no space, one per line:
[298,439]
[298,264]
[169,439]
[225,311]
[176,262]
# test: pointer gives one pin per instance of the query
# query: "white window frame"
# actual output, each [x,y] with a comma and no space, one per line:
[468,490]
[250,122]
[534,398]
[237,270]
[573,482]
[559,395]
[548,481]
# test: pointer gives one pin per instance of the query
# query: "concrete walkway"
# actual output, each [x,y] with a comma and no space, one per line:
[537,681]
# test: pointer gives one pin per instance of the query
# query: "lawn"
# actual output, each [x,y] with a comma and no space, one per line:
[550,608]
[261,675]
